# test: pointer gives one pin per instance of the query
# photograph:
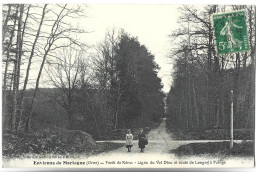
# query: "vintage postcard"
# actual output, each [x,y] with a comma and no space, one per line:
[128,85]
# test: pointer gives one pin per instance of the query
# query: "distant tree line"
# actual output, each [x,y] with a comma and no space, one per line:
[114,87]
[200,94]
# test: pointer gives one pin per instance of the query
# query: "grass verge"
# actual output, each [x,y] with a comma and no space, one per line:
[245,148]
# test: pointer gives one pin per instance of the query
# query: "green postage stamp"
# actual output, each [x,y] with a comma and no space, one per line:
[230,32]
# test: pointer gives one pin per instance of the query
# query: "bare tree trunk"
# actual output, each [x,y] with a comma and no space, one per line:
[210,73]
[180,110]
[244,60]
[17,69]
[47,48]
[95,119]
[6,21]
[28,122]
[236,84]
[190,103]
[18,114]
[117,107]
[251,34]
[27,127]
[69,113]
[195,104]
[30,61]
[186,110]
[204,114]
[217,114]
[6,68]
[222,112]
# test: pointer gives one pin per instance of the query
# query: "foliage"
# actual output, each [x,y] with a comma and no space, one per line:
[137,76]
[217,148]
[200,94]
[20,145]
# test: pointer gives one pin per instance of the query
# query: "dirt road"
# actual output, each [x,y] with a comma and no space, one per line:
[158,151]
[156,155]
[159,142]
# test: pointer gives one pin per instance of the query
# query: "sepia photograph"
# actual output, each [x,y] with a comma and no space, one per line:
[128,85]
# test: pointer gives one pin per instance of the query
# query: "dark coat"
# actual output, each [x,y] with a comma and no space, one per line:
[141,138]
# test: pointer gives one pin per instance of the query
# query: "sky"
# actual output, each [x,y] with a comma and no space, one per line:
[150,23]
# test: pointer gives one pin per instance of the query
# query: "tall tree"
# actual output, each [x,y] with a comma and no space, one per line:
[17,65]
[106,74]
[199,97]
[7,47]
[141,88]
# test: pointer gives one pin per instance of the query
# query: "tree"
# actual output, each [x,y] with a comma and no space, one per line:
[199,97]
[60,31]
[137,78]
[23,43]
[106,74]
[128,86]
[7,47]
[64,73]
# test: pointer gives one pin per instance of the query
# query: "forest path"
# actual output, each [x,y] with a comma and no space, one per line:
[156,155]
[159,142]
[158,151]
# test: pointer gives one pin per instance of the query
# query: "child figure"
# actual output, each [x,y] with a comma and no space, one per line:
[129,140]
[142,140]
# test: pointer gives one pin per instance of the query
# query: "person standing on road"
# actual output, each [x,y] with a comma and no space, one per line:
[129,140]
[142,140]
